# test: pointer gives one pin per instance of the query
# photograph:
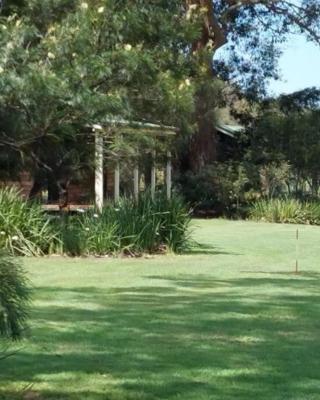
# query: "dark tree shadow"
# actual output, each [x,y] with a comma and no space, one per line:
[206,249]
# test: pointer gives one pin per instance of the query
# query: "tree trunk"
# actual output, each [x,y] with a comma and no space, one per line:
[203,145]
[53,191]
[36,188]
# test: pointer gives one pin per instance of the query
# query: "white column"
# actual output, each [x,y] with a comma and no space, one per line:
[153,175]
[117,182]
[98,170]
[169,175]
[136,182]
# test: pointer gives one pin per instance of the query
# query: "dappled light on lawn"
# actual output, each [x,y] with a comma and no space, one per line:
[202,326]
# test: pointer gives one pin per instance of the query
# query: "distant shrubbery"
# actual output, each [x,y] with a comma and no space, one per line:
[218,189]
[130,227]
[267,192]
[286,211]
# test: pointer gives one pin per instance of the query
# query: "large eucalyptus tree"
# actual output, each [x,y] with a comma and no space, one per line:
[251,31]
[66,63]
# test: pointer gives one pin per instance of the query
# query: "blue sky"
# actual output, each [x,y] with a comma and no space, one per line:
[299,66]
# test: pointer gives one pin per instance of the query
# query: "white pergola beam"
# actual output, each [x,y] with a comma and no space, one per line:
[99,170]
[153,176]
[169,175]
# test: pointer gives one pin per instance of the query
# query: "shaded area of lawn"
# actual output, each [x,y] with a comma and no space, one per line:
[162,343]
[173,328]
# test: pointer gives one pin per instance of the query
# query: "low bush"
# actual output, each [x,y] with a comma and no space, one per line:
[90,233]
[286,211]
[129,227]
[218,189]
[24,227]
[14,298]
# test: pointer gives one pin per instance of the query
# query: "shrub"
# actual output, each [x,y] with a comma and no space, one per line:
[14,298]
[73,238]
[175,227]
[91,233]
[311,213]
[24,228]
[152,224]
[286,211]
[130,227]
[275,178]
[219,188]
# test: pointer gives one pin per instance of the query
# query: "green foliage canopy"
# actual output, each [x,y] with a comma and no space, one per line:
[69,64]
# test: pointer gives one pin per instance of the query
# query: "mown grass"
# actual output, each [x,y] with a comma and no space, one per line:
[229,320]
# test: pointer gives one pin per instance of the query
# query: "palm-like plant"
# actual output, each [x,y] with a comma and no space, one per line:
[14,298]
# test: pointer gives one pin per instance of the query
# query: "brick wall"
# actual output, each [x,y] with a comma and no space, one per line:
[24,184]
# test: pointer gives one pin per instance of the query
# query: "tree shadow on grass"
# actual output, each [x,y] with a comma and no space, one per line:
[215,341]
[206,249]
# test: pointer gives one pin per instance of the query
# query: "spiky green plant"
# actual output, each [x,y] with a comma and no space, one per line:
[129,227]
[151,224]
[286,211]
[14,298]
[24,227]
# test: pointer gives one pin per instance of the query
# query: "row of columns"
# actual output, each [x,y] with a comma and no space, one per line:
[99,181]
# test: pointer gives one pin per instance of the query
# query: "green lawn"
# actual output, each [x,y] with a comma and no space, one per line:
[228,321]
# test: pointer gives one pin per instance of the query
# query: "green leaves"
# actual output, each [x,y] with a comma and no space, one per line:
[24,229]
[14,298]
[69,64]
[129,227]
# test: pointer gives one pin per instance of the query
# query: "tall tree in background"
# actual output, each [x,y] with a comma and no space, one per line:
[252,32]
[67,64]
[287,130]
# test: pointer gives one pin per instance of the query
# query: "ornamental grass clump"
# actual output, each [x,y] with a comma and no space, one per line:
[14,298]
[152,225]
[286,211]
[90,233]
[129,227]
[24,228]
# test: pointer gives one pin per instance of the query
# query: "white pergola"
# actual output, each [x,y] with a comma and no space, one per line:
[124,127]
